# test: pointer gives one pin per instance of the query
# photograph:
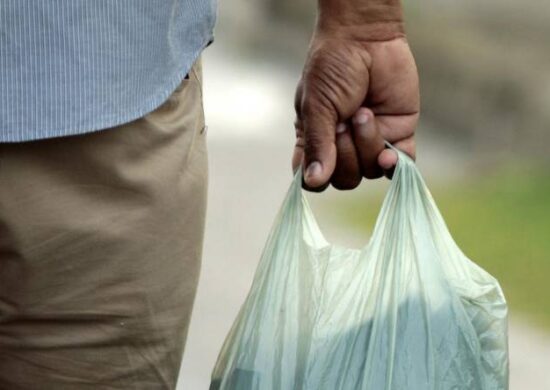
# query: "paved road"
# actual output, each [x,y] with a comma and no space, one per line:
[249,115]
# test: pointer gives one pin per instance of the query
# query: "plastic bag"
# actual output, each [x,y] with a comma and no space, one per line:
[409,311]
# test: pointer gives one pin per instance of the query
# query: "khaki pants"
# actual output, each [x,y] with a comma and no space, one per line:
[100,245]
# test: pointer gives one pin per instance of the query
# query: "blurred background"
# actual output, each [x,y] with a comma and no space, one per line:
[482,147]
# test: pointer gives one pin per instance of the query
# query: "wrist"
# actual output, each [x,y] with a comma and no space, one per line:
[363,20]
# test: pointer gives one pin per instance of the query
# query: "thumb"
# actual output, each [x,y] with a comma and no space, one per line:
[319,124]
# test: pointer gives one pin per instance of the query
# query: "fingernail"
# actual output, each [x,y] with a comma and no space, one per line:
[361,119]
[340,128]
[314,169]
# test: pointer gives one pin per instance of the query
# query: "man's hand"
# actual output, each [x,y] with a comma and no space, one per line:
[359,87]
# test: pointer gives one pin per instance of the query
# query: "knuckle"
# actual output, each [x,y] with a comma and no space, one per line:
[312,149]
[407,146]
[316,141]
[338,75]
[345,183]
[373,173]
[314,105]
[298,98]
[299,128]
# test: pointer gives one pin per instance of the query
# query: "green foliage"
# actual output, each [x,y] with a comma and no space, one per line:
[503,224]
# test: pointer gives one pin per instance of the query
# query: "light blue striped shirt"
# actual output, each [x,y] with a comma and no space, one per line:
[75,66]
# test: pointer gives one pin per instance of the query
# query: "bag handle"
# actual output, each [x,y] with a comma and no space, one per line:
[403,162]
[297,207]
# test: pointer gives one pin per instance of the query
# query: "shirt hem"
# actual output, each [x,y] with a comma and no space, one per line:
[153,103]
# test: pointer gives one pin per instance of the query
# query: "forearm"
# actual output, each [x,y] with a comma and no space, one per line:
[373,20]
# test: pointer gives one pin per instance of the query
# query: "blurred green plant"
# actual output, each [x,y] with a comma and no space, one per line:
[502,223]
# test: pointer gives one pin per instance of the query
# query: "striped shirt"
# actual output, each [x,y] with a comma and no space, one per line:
[74,66]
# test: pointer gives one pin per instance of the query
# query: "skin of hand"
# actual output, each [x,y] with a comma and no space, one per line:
[359,87]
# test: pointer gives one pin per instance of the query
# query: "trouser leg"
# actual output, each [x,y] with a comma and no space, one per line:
[100,245]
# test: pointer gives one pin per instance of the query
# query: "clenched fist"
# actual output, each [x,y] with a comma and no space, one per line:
[359,88]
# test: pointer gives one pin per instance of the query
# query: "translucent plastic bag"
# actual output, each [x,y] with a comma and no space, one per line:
[407,312]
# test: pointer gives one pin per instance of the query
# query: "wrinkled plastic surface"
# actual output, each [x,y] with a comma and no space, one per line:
[408,311]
